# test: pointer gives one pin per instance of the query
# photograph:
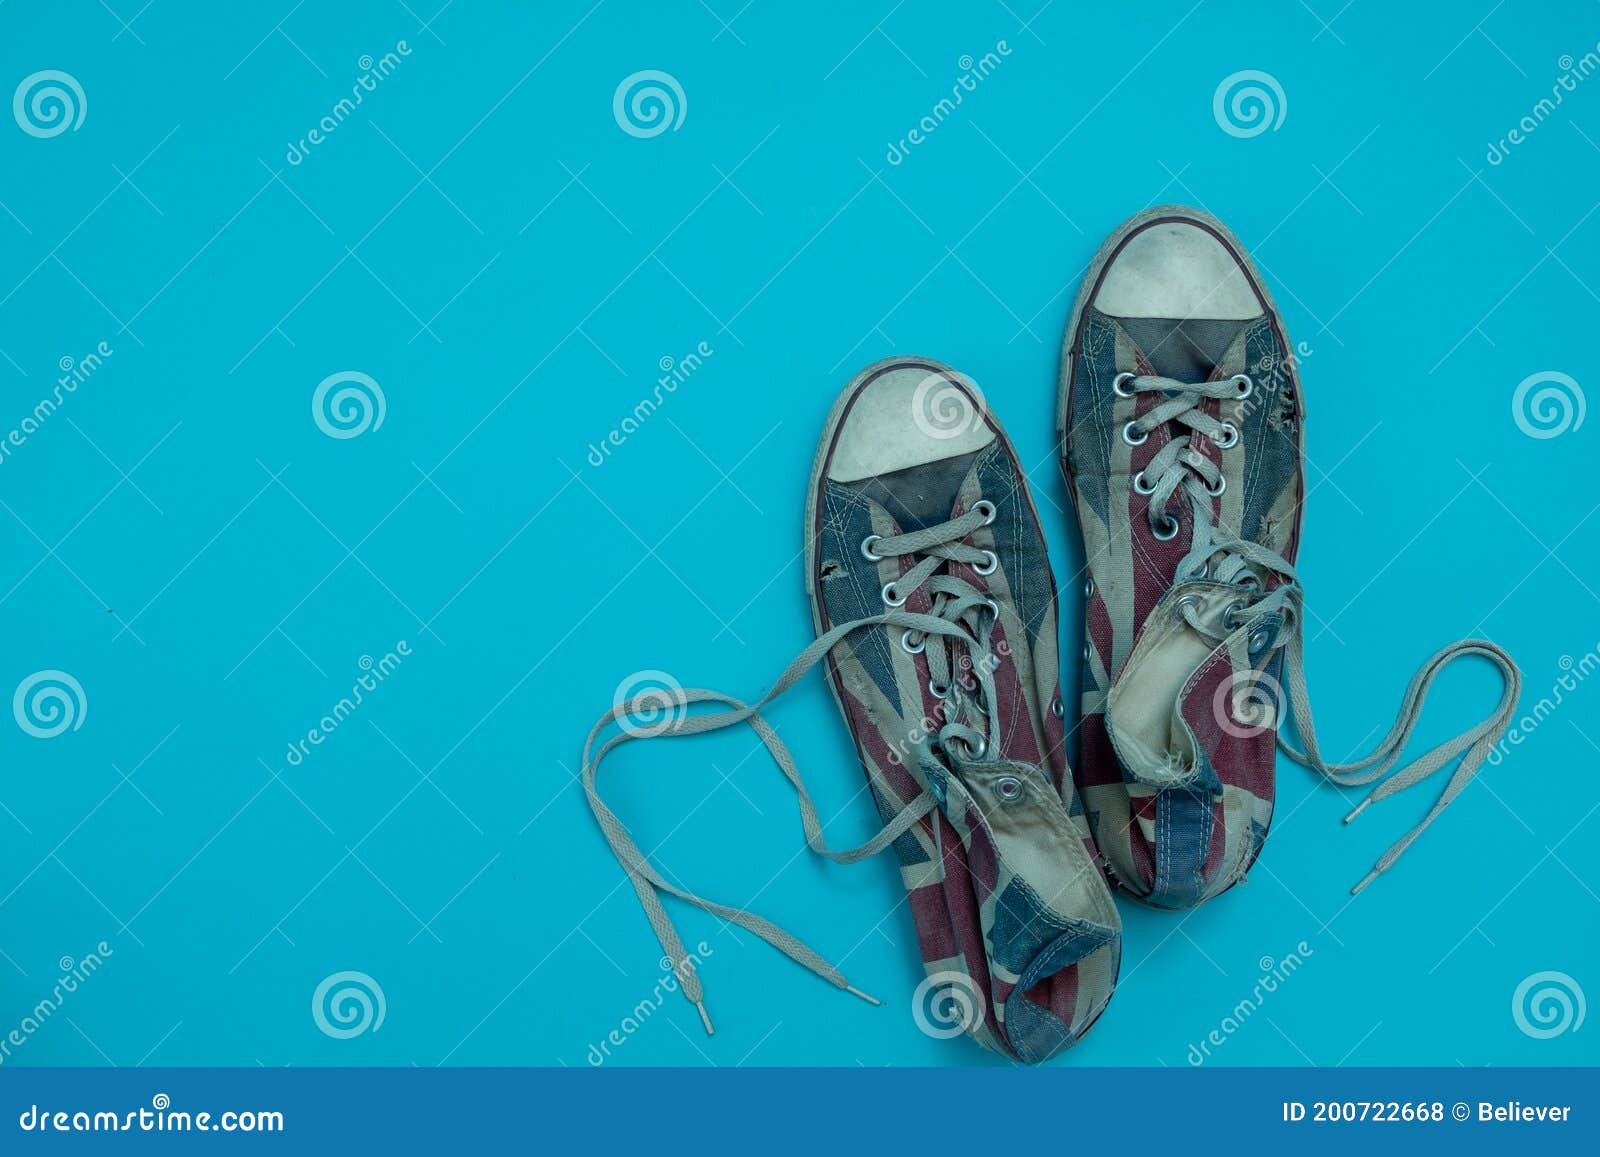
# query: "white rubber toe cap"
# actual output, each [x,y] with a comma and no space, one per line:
[909,414]
[1175,269]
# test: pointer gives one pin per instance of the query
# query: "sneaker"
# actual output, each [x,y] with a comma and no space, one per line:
[1182,429]
[936,615]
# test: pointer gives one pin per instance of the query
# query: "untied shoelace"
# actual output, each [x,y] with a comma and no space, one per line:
[960,616]
[1227,559]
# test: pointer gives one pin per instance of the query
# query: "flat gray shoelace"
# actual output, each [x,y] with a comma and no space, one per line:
[1248,565]
[960,616]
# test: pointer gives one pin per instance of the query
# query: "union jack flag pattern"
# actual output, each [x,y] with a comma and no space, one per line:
[1012,914]
[1180,420]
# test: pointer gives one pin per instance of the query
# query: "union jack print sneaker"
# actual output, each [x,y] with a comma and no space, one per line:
[918,501]
[935,612]
[1182,432]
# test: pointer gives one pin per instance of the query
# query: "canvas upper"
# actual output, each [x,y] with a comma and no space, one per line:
[1179,677]
[1011,912]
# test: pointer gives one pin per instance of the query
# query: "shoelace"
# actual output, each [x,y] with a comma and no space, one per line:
[1229,559]
[960,617]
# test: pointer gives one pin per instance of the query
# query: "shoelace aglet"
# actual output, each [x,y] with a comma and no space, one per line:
[705,1017]
[854,991]
[1359,808]
[1367,879]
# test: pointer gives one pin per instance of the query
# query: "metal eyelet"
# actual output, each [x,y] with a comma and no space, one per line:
[1116,385]
[1130,429]
[866,548]
[990,564]
[1008,788]
[1230,617]
[1141,485]
[1229,437]
[1188,601]
[978,751]
[985,508]
[1164,528]
[994,608]
[1217,490]
[1057,708]
[1088,653]
[1259,638]
[1246,386]
[907,647]
[938,690]
[1088,589]
[891,597]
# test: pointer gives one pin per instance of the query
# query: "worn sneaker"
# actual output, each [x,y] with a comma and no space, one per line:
[1182,433]
[936,614]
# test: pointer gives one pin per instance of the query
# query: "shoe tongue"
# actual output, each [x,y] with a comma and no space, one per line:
[919,496]
[1146,709]
[1188,349]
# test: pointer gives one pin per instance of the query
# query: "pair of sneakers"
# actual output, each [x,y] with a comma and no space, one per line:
[1182,438]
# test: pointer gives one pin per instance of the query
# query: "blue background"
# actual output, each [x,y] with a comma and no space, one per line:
[483,239]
